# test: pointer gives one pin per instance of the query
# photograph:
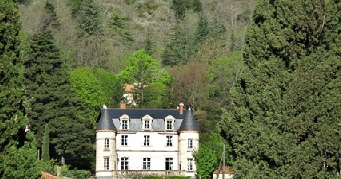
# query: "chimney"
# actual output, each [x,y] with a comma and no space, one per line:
[123,106]
[181,108]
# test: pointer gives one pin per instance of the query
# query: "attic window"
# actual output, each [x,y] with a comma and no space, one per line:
[169,122]
[147,122]
[124,120]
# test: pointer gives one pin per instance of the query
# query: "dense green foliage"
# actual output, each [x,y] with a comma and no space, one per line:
[52,101]
[286,104]
[96,87]
[144,69]
[209,156]
[45,148]
[18,157]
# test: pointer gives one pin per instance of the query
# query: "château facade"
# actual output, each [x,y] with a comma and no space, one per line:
[143,142]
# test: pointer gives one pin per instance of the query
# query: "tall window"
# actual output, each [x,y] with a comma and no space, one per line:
[169,140]
[169,125]
[124,163]
[124,140]
[190,164]
[147,124]
[169,164]
[106,144]
[146,163]
[146,140]
[124,124]
[190,143]
[106,163]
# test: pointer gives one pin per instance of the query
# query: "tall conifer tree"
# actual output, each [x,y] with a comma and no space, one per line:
[53,101]
[18,157]
[286,118]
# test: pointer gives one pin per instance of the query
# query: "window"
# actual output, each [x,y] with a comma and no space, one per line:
[106,163]
[190,143]
[190,164]
[169,140]
[124,140]
[124,163]
[146,140]
[146,163]
[169,125]
[146,124]
[124,125]
[106,144]
[169,164]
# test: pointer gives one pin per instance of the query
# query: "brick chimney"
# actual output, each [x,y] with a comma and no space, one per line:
[123,105]
[181,108]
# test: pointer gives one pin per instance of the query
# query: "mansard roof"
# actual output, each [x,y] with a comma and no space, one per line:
[189,123]
[135,116]
[104,122]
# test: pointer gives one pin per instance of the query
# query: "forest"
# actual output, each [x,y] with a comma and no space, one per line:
[262,76]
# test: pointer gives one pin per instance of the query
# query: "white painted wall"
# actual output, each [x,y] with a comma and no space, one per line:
[101,153]
[185,152]
[157,151]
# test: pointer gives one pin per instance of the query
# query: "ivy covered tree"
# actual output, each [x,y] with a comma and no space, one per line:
[52,100]
[18,157]
[286,105]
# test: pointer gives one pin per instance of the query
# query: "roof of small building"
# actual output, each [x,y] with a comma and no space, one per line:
[223,169]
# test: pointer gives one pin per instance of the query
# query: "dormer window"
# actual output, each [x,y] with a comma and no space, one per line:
[147,122]
[169,122]
[124,122]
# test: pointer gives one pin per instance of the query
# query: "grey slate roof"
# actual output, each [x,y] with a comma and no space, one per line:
[136,115]
[189,123]
[104,122]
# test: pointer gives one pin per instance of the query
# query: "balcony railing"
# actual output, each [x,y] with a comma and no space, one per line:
[137,173]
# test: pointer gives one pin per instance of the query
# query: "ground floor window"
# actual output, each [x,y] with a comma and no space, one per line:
[169,164]
[106,163]
[190,164]
[124,163]
[146,163]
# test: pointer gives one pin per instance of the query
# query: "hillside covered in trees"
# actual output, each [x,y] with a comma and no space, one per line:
[263,78]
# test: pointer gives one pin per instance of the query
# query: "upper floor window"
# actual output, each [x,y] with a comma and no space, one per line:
[106,163]
[106,144]
[124,122]
[169,140]
[169,122]
[190,164]
[124,125]
[147,122]
[190,143]
[124,140]
[146,140]
[169,125]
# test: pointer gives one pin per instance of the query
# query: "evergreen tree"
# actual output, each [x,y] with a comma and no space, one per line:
[53,101]
[202,29]
[286,117]
[18,157]
[45,148]
[50,20]
[119,26]
[89,20]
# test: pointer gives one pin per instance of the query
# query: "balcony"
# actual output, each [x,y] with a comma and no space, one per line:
[137,173]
